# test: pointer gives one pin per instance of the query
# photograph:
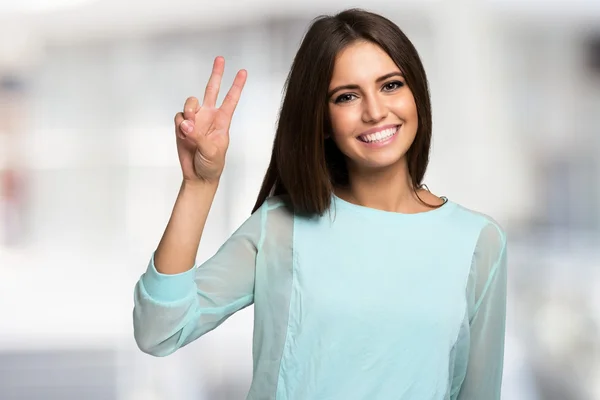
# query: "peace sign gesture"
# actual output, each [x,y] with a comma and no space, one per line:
[203,130]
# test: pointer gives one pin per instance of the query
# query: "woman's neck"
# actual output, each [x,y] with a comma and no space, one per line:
[389,189]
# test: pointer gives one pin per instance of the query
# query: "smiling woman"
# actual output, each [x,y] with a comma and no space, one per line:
[370,82]
[365,285]
[376,112]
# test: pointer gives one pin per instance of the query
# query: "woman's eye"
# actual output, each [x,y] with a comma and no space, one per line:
[344,98]
[390,86]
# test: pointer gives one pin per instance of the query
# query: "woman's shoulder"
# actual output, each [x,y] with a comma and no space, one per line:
[276,210]
[276,202]
[486,227]
[468,212]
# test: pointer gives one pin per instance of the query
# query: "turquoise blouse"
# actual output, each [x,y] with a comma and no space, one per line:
[356,304]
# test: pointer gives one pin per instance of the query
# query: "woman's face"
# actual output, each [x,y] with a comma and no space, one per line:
[372,110]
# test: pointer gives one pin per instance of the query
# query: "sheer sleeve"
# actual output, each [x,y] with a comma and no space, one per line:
[487,315]
[170,311]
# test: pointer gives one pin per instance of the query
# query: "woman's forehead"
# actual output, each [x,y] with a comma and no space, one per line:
[362,61]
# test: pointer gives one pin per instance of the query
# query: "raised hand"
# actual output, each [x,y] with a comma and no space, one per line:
[203,130]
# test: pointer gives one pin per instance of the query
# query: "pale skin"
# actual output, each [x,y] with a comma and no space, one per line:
[202,135]
[367,91]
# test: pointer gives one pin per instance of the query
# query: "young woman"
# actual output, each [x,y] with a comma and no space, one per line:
[365,285]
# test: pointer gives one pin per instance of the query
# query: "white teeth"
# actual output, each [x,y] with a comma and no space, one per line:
[379,136]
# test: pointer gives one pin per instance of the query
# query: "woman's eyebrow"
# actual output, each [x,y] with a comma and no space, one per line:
[354,86]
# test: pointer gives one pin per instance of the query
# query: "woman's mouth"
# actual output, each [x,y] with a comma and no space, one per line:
[380,137]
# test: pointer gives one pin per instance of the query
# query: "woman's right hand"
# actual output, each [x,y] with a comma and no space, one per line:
[203,130]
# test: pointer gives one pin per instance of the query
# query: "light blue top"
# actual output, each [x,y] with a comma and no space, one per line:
[356,304]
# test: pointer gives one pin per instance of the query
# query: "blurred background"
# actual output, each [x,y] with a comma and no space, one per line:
[89,174]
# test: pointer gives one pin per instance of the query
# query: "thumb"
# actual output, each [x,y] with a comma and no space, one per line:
[186,128]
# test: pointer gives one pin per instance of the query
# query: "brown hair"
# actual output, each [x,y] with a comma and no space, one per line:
[304,165]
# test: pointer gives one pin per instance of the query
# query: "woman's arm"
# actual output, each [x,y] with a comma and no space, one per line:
[176,252]
[487,318]
[173,309]
[174,302]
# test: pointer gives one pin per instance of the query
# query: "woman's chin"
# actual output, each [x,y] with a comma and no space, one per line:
[381,162]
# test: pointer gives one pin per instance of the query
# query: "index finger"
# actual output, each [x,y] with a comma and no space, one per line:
[233,96]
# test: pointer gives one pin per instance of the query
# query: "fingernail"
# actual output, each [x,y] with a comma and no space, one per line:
[186,126]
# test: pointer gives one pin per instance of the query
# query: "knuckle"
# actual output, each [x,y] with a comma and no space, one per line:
[211,152]
[231,99]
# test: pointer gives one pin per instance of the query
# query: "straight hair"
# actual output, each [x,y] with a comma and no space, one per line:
[305,167]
